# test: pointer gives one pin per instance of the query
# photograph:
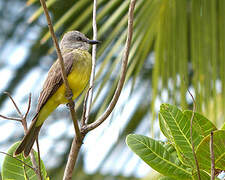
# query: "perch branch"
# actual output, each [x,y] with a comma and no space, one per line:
[85,129]
[69,94]
[74,151]
[76,145]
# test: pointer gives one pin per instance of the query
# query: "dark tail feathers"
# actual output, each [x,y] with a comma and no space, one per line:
[29,139]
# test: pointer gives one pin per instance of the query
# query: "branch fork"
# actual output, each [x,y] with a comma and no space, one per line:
[22,119]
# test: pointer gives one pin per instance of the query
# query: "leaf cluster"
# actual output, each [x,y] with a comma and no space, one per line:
[174,158]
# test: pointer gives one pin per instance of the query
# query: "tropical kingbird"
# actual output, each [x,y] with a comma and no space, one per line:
[74,47]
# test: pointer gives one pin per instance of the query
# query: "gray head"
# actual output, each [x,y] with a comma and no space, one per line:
[75,40]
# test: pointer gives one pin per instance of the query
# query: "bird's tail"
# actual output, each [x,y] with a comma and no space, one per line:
[29,139]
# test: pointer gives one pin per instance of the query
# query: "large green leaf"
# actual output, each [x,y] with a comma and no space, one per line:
[201,124]
[176,127]
[203,151]
[14,169]
[156,155]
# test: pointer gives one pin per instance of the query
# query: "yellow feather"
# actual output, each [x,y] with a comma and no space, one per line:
[78,79]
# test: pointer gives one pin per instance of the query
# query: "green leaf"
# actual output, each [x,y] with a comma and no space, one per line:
[166,178]
[204,175]
[156,155]
[14,169]
[201,124]
[176,127]
[203,151]
[223,127]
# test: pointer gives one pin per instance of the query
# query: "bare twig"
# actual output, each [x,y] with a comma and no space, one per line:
[212,157]
[115,98]
[85,108]
[24,122]
[28,107]
[63,71]
[191,134]
[20,161]
[39,159]
[92,78]
[34,163]
[17,109]
[11,118]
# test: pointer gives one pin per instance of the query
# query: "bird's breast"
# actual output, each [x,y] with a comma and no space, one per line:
[79,74]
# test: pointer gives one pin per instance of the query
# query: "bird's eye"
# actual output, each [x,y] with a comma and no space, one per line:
[79,39]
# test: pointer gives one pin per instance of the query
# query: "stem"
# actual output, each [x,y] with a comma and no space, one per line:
[191,134]
[92,78]
[212,157]
[39,159]
[115,98]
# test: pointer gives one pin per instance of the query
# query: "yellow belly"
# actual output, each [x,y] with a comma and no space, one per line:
[78,79]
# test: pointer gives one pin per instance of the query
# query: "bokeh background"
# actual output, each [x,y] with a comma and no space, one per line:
[177,44]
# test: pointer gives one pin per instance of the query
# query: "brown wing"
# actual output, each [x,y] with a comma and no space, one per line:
[54,79]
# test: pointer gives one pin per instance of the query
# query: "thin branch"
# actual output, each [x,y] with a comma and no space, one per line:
[14,103]
[84,108]
[34,163]
[28,107]
[17,109]
[39,159]
[11,118]
[92,78]
[212,157]
[24,122]
[74,151]
[115,98]
[69,94]
[19,160]
[191,134]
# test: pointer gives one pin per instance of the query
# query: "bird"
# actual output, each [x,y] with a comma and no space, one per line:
[74,47]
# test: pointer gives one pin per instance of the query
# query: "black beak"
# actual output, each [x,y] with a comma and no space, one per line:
[93,42]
